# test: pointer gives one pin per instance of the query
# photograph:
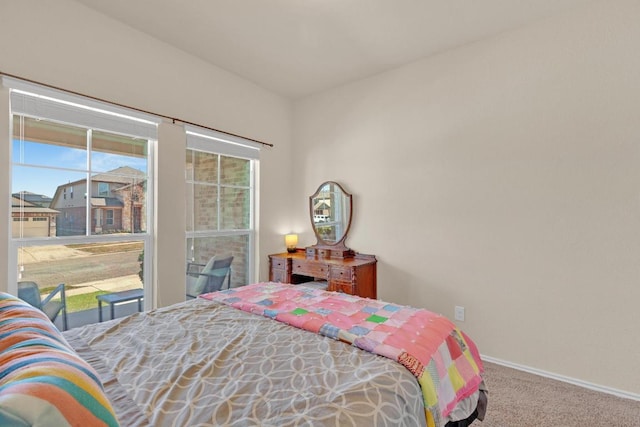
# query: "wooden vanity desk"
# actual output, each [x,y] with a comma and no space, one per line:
[329,260]
[355,275]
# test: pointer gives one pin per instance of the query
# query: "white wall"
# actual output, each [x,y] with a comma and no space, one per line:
[65,44]
[504,177]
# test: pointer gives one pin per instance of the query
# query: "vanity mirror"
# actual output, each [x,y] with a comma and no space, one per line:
[330,209]
[328,263]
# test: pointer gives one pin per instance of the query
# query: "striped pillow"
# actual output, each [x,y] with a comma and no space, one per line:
[43,382]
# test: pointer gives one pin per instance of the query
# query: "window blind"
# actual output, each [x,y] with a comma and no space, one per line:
[210,140]
[37,101]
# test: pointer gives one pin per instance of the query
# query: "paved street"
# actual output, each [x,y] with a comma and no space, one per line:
[51,265]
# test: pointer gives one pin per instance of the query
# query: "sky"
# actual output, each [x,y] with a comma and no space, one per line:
[41,168]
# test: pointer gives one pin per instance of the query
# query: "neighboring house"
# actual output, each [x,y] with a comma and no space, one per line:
[117,203]
[30,219]
[321,210]
[34,199]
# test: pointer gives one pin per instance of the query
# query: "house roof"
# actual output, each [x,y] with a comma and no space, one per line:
[108,202]
[34,209]
[17,202]
[38,199]
[121,175]
[19,205]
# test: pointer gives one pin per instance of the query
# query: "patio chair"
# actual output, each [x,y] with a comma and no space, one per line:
[30,292]
[209,277]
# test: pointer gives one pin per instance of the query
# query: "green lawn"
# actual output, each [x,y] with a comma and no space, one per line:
[78,302]
[83,301]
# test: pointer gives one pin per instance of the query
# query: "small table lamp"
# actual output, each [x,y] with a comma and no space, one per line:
[291,240]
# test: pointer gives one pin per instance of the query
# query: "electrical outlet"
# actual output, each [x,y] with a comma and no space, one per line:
[459,313]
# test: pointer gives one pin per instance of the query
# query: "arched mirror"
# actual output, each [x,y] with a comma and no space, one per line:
[330,209]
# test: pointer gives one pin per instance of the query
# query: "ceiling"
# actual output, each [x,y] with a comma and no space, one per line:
[298,47]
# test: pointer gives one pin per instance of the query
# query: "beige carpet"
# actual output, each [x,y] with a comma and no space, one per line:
[518,399]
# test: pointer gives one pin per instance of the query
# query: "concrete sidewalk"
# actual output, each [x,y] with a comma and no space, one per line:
[48,253]
[33,254]
[109,285]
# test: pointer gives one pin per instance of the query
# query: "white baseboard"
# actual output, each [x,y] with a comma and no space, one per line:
[580,383]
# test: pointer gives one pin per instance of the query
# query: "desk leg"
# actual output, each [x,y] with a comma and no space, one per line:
[99,311]
[112,310]
[139,305]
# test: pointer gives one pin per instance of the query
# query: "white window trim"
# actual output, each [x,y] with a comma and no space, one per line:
[214,142]
[33,100]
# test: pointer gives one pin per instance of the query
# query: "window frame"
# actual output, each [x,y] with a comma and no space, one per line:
[108,216]
[103,114]
[212,142]
[101,192]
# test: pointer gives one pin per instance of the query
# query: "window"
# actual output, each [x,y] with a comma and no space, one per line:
[64,144]
[51,158]
[109,217]
[220,178]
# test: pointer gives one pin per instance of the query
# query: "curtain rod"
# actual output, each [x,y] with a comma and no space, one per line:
[173,119]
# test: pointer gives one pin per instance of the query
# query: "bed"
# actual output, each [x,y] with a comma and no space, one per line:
[270,354]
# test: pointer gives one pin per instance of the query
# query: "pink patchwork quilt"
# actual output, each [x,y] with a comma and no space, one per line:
[444,360]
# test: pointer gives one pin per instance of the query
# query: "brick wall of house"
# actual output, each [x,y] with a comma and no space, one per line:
[237,246]
[71,221]
[133,197]
[205,208]
[235,205]
[117,221]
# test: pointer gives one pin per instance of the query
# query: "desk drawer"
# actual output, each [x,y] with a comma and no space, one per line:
[278,263]
[344,287]
[340,273]
[278,275]
[309,268]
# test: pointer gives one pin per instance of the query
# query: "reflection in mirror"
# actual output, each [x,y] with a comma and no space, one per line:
[330,209]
